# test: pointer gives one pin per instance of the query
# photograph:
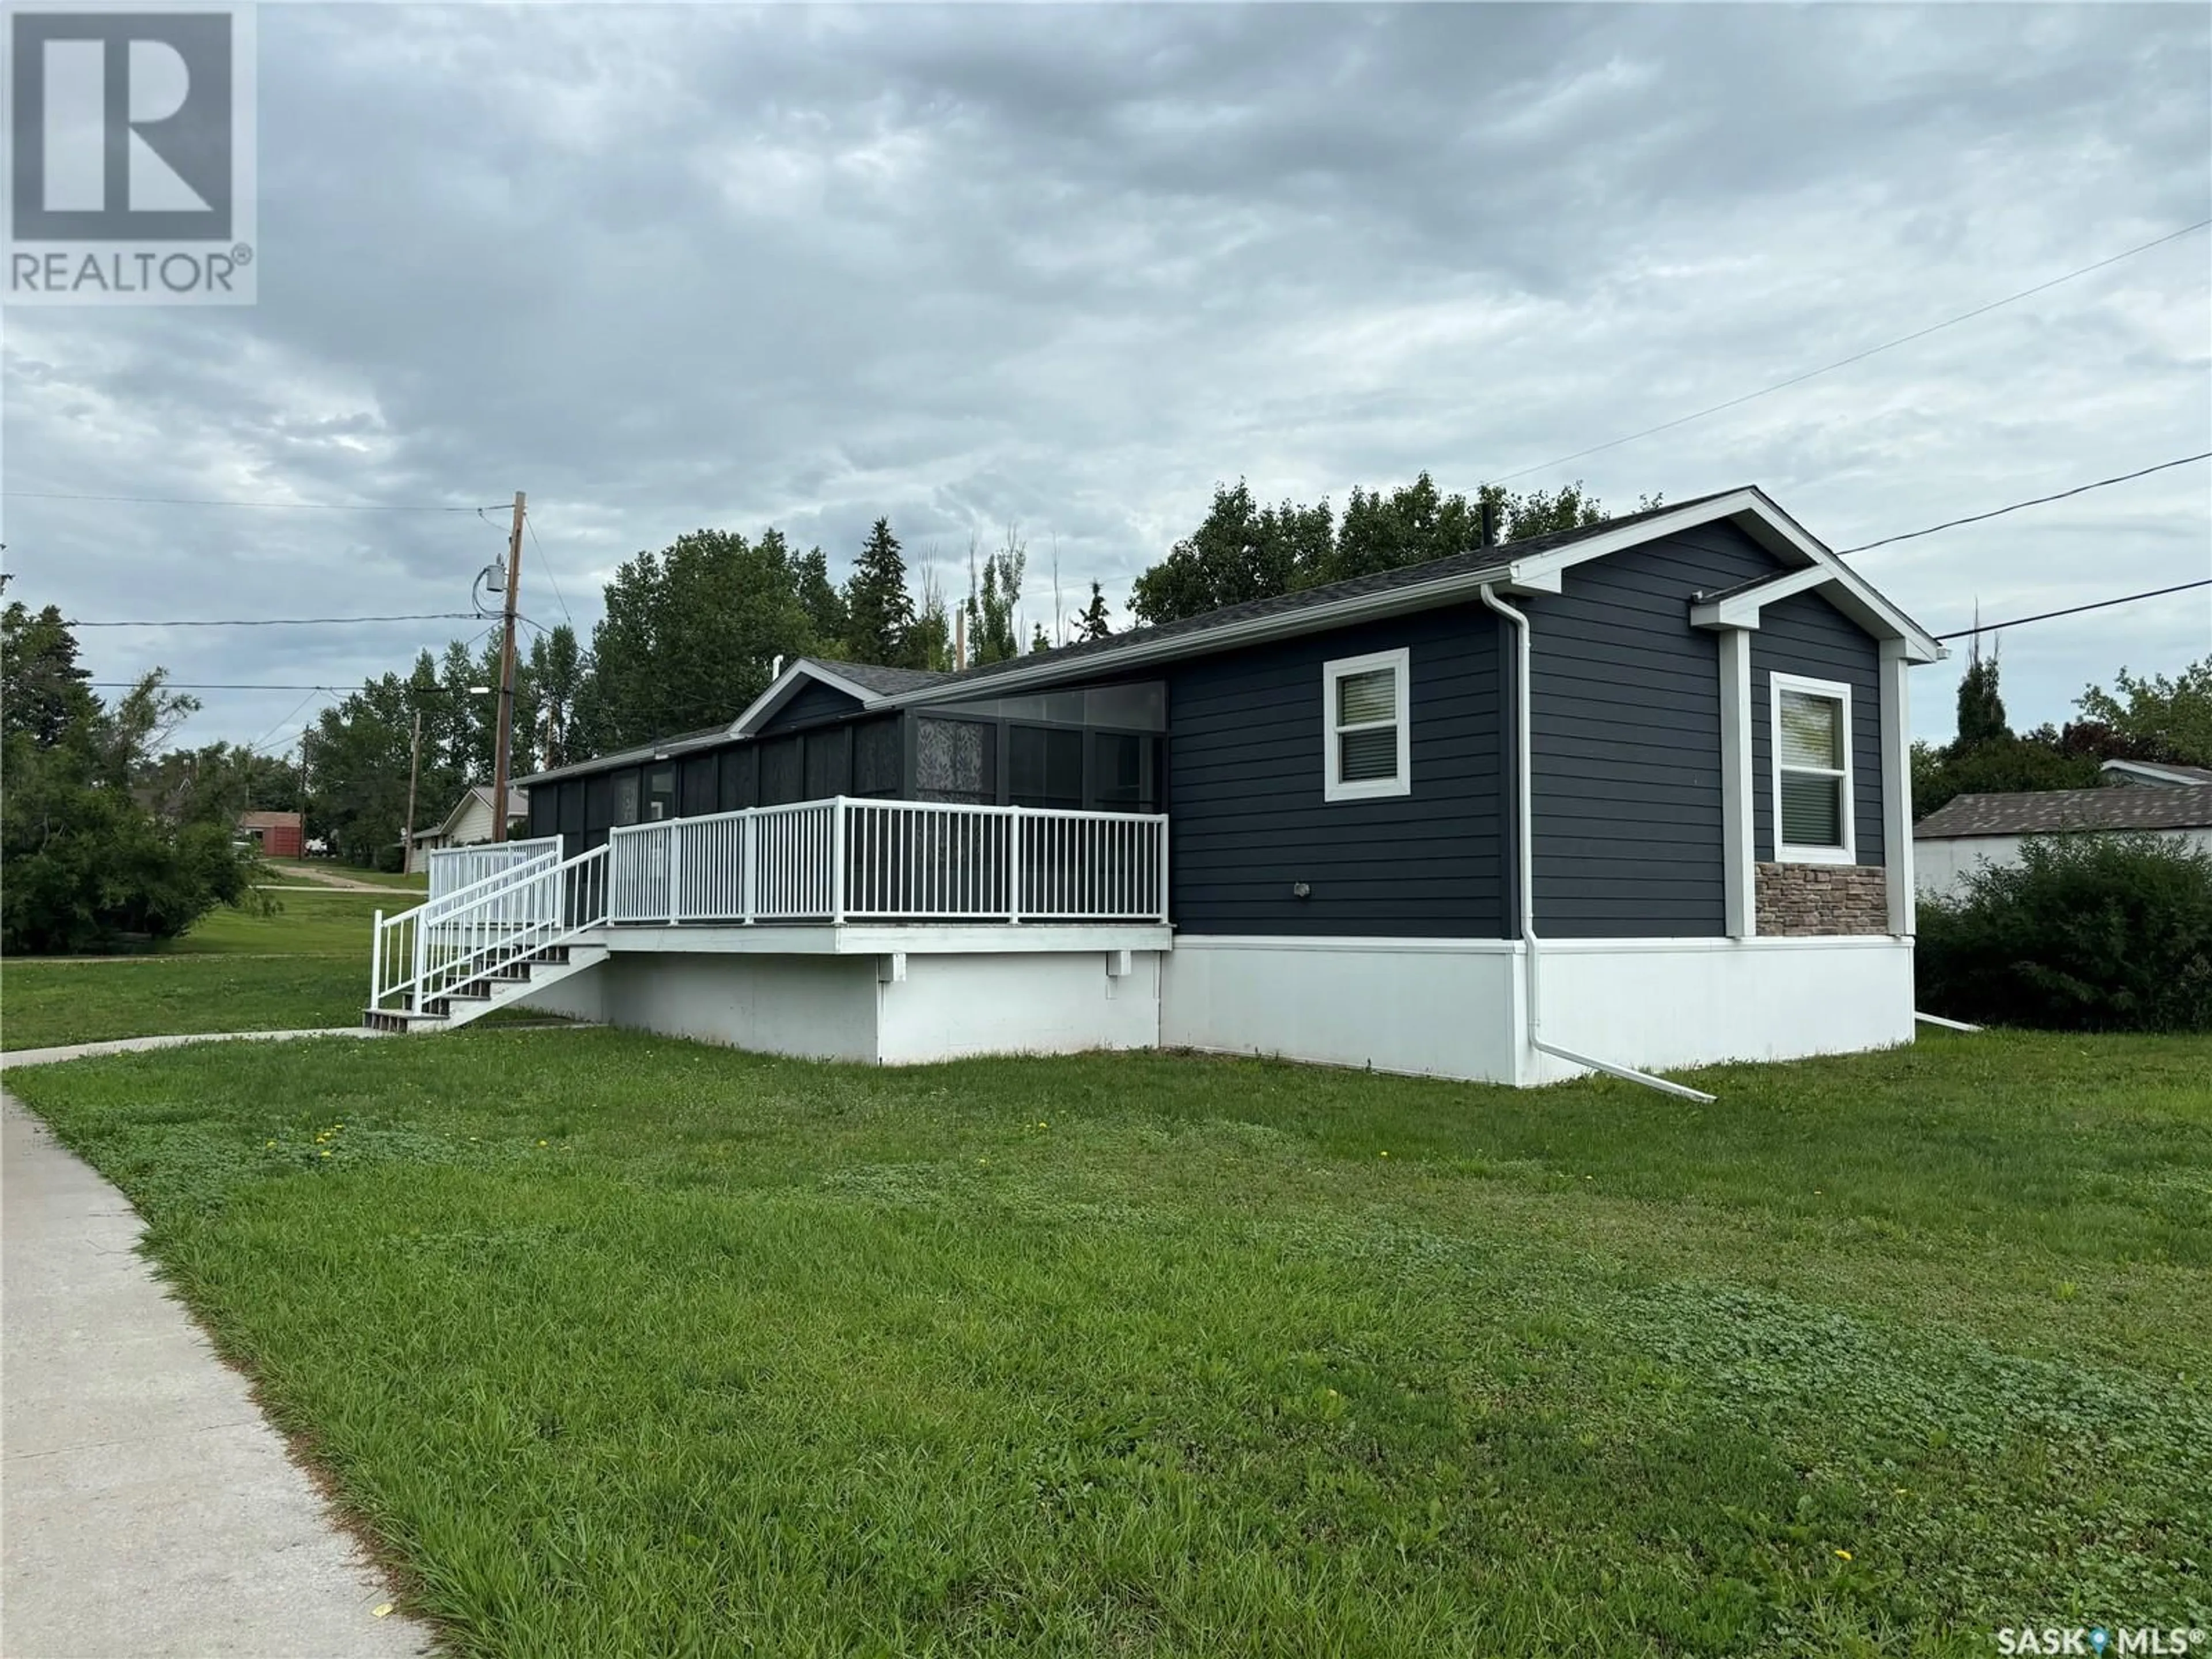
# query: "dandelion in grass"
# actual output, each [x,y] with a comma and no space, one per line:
[1844,1554]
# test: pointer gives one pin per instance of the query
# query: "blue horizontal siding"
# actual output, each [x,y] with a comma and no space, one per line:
[1626,750]
[1246,815]
[1808,637]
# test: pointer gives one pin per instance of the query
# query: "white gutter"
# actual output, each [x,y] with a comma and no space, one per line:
[1525,846]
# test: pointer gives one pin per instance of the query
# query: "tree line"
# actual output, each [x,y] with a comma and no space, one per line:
[2150,719]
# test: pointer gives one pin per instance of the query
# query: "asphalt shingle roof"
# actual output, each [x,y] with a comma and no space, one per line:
[1380,581]
[2043,811]
[889,681]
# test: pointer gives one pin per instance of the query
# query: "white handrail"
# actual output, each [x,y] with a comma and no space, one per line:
[477,934]
[845,859]
[452,869]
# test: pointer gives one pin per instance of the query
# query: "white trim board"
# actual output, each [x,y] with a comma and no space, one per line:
[883,939]
[786,686]
[1334,787]
[1748,508]
[1847,800]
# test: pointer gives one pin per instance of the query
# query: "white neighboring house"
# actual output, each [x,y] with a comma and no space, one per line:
[2168,775]
[469,824]
[1952,841]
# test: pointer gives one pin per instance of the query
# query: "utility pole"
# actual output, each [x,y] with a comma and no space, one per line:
[506,679]
[414,767]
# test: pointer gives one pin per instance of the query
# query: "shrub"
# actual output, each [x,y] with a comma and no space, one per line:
[2087,932]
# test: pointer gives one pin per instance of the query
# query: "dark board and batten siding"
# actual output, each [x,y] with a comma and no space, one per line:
[811,704]
[1808,637]
[1626,716]
[1249,820]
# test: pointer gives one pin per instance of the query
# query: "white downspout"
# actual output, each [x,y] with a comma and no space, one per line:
[1525,845]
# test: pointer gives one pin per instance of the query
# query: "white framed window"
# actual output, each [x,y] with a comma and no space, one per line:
[1364,706]
[1812,742]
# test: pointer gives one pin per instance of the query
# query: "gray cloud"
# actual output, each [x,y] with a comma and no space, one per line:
[1068,266]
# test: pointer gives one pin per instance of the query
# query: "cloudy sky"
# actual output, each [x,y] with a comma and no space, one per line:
[1065,267]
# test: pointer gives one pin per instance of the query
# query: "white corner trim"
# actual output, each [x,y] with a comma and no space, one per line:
[1739,843]
[1399,662]
[1897,784]
[1836,690]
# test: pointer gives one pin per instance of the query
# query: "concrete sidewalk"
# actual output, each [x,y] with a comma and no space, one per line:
[149,1508]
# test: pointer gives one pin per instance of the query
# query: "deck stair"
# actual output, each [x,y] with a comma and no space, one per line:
[473,999]
[445,964]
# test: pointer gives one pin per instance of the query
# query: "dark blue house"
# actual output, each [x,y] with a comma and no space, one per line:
[1628,797]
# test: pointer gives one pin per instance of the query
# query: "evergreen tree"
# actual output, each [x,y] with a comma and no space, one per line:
[1981,710]
[1093,623]
[879,612]
[1038,643]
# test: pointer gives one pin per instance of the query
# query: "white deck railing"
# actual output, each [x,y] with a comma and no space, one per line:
[876,861]
[453,868]
[474,932]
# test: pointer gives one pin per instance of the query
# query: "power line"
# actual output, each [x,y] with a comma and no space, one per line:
[2075,609]
[2039,500]
[212,501]
[286,622]
[530,522]
[1856,356]
[210,686]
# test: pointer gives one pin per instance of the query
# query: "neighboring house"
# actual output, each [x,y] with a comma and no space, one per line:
[2168,775]
[1963,834]
[278,834]
[469,824]
[1630,795]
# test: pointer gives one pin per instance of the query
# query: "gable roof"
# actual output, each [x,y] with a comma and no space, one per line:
[518,805]
[1533,565]
[2044,812]
[268,820]
[2165,774]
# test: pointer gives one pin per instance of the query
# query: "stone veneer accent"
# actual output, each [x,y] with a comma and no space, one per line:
[1823,898]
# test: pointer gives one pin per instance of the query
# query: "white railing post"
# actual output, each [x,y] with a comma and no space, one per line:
[422,964]
[1160,829]
[675,871]
[376,962]
[749,861]
[837,861]
[1014,864]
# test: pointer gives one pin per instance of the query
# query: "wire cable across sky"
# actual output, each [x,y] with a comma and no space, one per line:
[2037,500]
[1856,356]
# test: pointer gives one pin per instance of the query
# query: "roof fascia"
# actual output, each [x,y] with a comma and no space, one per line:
[1780,534]
[786,686]
[1226,636]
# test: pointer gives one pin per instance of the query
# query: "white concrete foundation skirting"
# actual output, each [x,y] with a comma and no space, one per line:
[1457,1007]
[892,1010]
[1662,1004]
[1430,1007]
[1454,1008]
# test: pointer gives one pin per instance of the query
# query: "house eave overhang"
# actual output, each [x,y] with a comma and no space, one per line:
[788,685]
[1815,568]
[1811,564]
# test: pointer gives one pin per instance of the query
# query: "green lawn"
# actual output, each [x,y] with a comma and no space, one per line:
[624,1346]
[45,1004]
[305,965]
